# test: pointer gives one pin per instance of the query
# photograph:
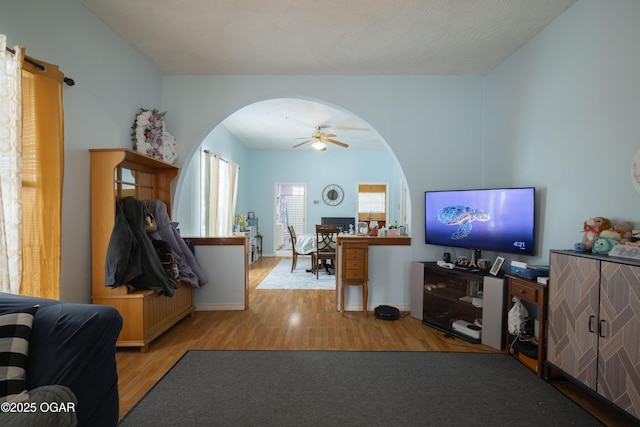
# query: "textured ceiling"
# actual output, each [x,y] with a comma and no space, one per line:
[328,37]
[443,37]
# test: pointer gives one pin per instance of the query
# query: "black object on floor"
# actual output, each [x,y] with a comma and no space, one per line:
[386,312]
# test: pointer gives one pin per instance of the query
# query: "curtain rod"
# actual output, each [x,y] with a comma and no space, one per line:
[67,80]
[221,159]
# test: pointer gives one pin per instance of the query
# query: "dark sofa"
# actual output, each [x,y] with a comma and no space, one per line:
[74,345]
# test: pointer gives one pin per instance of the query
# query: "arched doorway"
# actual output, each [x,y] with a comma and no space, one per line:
[261,138]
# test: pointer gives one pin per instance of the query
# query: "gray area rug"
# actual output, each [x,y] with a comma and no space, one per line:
[281,277]
[335,388]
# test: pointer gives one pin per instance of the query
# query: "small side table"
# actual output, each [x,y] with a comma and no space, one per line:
[535,293]
[355,269]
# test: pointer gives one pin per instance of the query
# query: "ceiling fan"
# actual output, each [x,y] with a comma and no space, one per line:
[320,139]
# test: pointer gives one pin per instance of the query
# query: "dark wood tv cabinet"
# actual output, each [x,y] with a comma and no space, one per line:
[449,304]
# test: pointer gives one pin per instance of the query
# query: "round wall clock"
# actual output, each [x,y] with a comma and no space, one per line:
[332,195]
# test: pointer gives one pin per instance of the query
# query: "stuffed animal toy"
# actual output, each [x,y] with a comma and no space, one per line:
[603,245]
[624,229]
[592,229]
[611,234]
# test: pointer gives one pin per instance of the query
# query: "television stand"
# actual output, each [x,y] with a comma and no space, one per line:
[457,301]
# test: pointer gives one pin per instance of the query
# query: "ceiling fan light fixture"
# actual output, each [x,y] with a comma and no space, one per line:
[319,145]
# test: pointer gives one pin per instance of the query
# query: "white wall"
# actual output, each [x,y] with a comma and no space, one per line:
[563,114]
[224,266]
[112,82]
[316,170]
[432,124]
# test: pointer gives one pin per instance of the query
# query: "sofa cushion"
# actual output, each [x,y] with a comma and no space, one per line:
[15,331]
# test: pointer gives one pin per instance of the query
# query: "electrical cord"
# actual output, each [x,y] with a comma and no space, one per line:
[522,338]
[511,350]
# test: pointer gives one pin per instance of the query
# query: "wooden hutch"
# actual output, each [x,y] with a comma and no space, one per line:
[117,173]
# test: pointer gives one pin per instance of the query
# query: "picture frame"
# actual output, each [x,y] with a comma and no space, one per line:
[497,265]
[251,215]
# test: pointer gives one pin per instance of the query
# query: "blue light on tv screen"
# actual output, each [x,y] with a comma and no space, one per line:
[500,220]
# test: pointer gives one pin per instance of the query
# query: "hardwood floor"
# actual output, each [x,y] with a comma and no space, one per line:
[279,320]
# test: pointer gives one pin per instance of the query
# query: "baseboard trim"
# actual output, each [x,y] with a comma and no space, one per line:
[219,307]
[240,307]
[371,307]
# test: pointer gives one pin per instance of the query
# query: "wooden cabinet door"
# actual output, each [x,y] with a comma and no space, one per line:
[619,355]
[572,341]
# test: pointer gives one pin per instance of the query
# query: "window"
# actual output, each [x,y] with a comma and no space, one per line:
[372,203]
[32,174]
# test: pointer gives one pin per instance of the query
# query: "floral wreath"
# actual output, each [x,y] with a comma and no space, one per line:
[151,138]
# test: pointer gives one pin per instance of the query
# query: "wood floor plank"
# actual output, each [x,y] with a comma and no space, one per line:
[278,320]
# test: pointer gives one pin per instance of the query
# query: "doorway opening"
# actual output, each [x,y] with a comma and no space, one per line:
[290,205]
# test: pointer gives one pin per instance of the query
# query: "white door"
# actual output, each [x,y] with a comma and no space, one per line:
[290,209]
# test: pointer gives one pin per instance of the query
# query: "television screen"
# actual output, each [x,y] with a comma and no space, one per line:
[499,220]
[341,223]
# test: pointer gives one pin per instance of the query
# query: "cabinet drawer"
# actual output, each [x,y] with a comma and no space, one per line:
[355,275]
[356,245]
[354,254]
[354,264]
[524,292]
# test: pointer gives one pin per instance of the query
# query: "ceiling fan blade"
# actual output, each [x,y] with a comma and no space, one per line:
[328,135]
[333,141]
[349,128]
[303,142]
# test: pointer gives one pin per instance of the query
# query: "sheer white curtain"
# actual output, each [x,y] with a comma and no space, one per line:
[10,167]
[232,195]
[210,195]
[219,195]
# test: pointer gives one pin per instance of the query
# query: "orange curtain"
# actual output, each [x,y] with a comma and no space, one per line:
[43,161]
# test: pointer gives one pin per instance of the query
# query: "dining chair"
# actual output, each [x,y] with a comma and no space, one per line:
[295,253]
[326,236]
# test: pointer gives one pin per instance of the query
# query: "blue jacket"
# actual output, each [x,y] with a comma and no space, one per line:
[131,257]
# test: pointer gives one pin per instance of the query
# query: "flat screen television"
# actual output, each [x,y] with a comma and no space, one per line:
[341,223]
[499,220]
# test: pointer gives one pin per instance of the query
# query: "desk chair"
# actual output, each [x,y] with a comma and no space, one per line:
[355,269]
[326,236]
[295,253]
